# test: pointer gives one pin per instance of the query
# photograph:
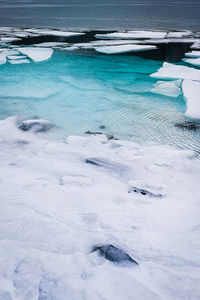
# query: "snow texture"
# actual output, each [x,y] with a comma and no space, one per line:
[52,217]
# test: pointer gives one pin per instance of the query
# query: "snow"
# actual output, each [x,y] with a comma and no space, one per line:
[171,88]
[171,71]
[124,49]
[132,35]
[55,208]
[192,61]
[191,92]
[193,54]
[37,54]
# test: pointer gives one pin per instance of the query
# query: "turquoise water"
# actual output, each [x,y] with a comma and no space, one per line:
[81,92]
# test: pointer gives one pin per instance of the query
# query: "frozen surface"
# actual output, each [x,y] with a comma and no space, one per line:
[170,71]
[192,61]
[55,32]
[196,45]
[37,54]
[132,35]
[124,49]
[191,91]
[171,88]
[55,208]
[50,44]
[178,34]
[19,61]
[193,54]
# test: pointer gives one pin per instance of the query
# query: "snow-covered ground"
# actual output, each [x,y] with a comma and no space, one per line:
[55,208]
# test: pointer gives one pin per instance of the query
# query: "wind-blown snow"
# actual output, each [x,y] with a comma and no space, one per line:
[55,208]
[191,92]
[171,88]
[124,49]
[171,71]
[37,54]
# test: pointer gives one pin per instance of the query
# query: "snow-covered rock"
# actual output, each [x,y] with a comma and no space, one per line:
[124,49]
[37,54]
[171,71]
[191,92]
[167,88]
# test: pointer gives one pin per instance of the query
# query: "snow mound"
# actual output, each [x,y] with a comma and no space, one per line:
[132,35]
[191,92]
[37,54]
[124,49]
[191,61]
[171,71]
[171,88]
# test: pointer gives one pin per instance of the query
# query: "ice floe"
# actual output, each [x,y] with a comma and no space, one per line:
[132,35]
[191,92]
[50,44]
[167,88]
[124,49]
[171,71]
[51,220]
[179,34]
[192,61]
[19,61]
[36,54]
[193,54]
[56,32]
[196,45]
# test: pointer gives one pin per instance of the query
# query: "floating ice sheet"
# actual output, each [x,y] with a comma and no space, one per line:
[191,92]
[124,49]
[192,61]
[19,61]
[132,35]
[55,32]
[193,54]
[167,88]
[171,71]
[37,54]
[50,44]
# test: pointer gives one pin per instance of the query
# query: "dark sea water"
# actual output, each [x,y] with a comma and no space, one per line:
[104,14]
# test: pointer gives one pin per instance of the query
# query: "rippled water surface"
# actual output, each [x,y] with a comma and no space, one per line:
[85,92]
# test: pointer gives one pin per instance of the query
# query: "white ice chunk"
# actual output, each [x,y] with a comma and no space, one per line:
[193,54]
[192,61]
[37,54]
[191,92]
[196,45]
[167,88]
[124,49]
[9,39]
[56,32]
[50,44]
[171,71]
[19,61]
[178,34]
[132,35]
[11,57]
[72,48]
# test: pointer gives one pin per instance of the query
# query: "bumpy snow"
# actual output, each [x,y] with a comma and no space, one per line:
[191,92]
[171,71]
[123,49]
[37,54]
[55,208]
[171,88]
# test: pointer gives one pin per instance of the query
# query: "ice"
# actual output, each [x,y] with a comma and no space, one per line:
[15,57]
[178,34]
[51,219]
[35,125]
[171,88]
[171,71]
[123,49]
[50,44]
[55,32]
[193,54]
[9,39]
[132,35]
[37,54]
[19,61]
[196,45]
[192,61]
[191,92]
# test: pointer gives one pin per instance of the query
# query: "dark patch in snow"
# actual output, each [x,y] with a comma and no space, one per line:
[36,125]
[109,136]
[144,192]
[114,254]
